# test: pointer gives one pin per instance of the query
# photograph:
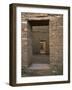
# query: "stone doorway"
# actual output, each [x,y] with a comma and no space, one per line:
[40,41]
[42,47]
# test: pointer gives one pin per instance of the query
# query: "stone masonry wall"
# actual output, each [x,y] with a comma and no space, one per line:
[26,46]
[56,40]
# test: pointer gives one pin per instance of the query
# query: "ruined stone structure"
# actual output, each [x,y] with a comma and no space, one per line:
[42,36]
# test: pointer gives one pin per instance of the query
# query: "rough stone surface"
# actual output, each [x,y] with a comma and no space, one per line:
[56,41]
[26,45]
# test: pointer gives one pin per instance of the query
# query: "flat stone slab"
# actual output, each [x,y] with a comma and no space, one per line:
[39,67]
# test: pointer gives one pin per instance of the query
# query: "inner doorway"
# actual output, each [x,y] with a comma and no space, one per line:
[42,47]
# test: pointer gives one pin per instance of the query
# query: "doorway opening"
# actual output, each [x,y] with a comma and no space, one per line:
[40,41]
[42,47]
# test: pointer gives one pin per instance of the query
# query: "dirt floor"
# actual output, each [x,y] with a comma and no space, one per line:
[42,70]
[43,59]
